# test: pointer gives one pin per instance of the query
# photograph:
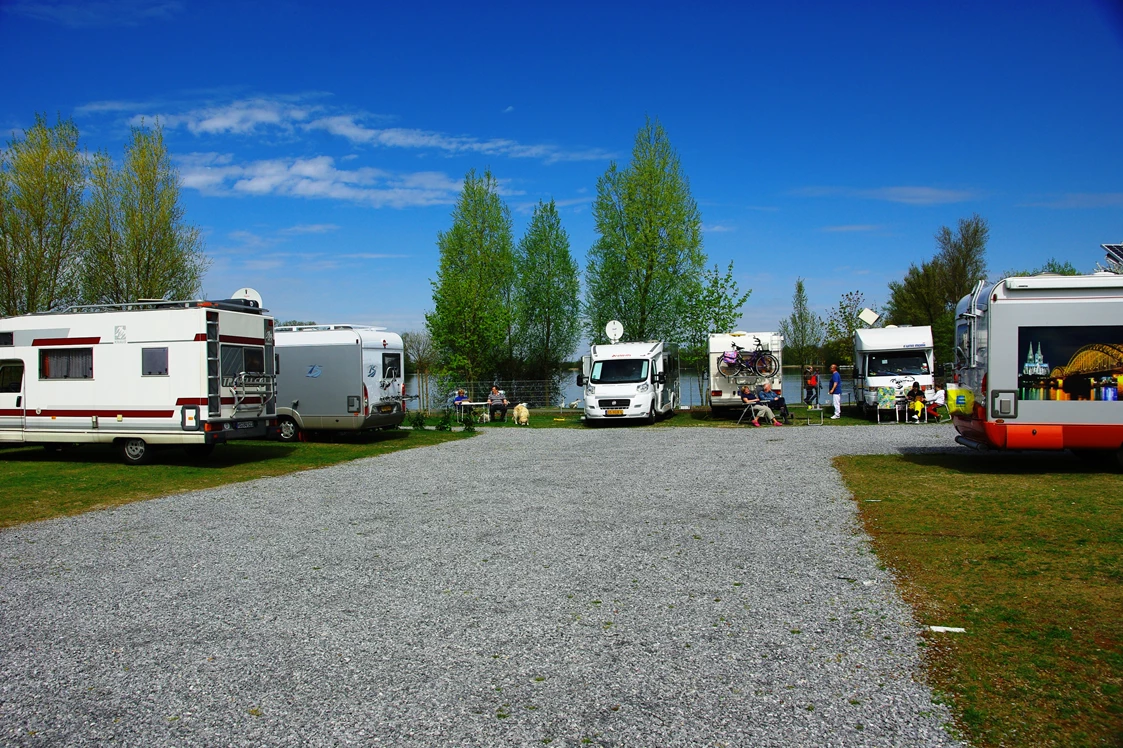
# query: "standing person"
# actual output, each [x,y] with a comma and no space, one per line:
[835,392]
[496,403]
[812,394]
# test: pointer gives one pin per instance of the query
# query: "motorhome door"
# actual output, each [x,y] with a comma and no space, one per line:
[11,401]
[382,375]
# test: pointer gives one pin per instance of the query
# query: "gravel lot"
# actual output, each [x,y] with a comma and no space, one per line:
[624,586]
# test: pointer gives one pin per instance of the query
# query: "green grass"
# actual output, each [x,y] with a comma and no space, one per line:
[1026,553]
[39,485]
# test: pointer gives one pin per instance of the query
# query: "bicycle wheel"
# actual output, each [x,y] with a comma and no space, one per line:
[766,365]
[727,369]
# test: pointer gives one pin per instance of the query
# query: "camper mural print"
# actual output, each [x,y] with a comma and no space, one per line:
[1070,363]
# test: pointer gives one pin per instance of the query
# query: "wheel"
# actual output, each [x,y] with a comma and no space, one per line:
[136,452]
[766,365]
[199,451]
[727,369]
[290,432]
[650,420]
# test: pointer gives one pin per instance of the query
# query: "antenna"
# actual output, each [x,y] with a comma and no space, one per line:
[1114,253]
[869,316]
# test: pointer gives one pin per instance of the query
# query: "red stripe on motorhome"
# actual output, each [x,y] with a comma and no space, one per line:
[242,340]
[203,400]
[65,341]
[31,413]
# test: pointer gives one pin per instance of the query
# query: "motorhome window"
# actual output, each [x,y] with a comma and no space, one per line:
[154,362]
[619,371]
[892,364]
[11,376]
[391,365]
[237,359]
[66,363]
[7,338]
[962,345]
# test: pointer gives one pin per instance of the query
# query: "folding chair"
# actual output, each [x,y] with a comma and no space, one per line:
[887,400]
[748,407]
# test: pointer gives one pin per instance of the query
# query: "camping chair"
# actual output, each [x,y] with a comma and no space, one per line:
[887,400]
[939,400]
[752,407]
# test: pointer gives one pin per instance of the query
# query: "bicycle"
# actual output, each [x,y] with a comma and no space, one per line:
[741,361]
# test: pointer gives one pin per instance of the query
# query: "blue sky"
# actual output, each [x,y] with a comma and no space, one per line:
[322,145]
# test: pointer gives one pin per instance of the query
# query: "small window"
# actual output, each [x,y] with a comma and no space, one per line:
[237,359]
[7,338]
[67,363]
[391,365]
[154,362]
[11,376]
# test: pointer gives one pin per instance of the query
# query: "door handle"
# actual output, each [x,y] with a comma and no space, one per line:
[19,399]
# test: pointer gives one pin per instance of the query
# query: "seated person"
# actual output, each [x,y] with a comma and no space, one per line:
[915,398]
[460,398]
[774,401]
[934,404]
[749,398]
[497,403]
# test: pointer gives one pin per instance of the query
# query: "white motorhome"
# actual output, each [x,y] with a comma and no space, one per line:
[140,376]
[338,378]
[892,357]
[630,380]
[724,389]
[1039,364]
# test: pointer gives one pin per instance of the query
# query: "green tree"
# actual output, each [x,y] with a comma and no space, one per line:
[928,294]
[137,244]
[547,303]
[803,330]
[42,178]
[471,319]
[421,359]
[838,347]
[713,305]
[1051,266]
[648,256]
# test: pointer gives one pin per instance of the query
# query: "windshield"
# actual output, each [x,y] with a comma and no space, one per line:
[897,362]
[619,371]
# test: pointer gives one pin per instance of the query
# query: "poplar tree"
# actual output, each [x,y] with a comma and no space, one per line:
[137,244]
[547,288]
[471,322]
[41,183]
[803,330]
[648,256]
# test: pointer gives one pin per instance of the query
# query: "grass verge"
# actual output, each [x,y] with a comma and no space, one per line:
[1023,551]
[40,485]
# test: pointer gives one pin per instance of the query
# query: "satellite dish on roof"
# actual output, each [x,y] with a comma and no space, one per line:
[247,293]
[614,330]
[869,316]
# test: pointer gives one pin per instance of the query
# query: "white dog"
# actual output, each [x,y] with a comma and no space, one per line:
[482,417]
[522,415]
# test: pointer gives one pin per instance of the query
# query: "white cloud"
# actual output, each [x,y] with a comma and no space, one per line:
[852,227]
[508,110]
[909,195]
[717,228]
[309,228]
[318,177]
[243,117]
[1083,200]
[92,13]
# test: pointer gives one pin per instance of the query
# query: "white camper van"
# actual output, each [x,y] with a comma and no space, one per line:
[891,357]
[630,380]
[140,376]
[1039,364]
[726,380]
[338,378]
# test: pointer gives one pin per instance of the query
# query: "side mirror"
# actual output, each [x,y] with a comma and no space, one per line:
[580,380]
[661,377]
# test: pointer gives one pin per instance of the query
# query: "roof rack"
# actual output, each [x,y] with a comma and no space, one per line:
[307,328]
[233,305]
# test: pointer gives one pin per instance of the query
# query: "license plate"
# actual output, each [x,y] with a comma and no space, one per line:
[244,424]
[614,412]
[385,408]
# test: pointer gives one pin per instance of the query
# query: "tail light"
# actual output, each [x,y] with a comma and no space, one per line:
[715,393]
[403,397]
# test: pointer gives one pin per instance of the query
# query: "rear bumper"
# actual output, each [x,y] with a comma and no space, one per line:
[1043,436]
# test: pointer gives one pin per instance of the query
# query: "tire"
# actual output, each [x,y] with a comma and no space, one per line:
[288,430]
[136,451]
[727,369]
[199,451]
[650,420]
[766,365]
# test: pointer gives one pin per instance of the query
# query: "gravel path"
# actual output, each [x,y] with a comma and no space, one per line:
[625,586]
